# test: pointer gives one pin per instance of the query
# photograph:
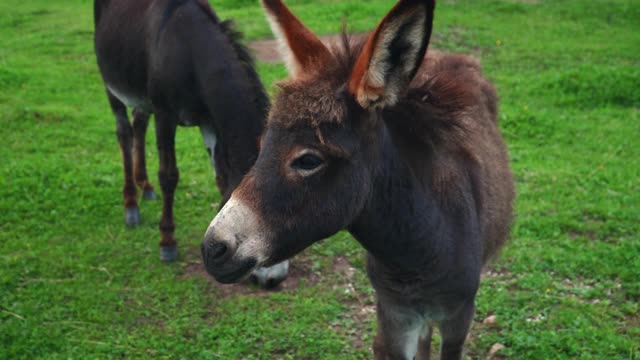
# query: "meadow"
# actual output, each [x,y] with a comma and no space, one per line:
[75,283]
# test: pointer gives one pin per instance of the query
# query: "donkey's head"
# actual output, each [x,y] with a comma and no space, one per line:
[321,148]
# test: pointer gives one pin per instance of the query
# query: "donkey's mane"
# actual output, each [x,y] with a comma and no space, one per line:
[235,38]
[445,88]
[345,52]
[445,104]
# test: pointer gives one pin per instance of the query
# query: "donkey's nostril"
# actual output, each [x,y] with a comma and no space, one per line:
[217,250]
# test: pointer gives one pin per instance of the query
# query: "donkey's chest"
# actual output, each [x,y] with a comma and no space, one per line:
[432,292]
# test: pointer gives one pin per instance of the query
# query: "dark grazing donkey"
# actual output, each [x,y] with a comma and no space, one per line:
[402,150]
[177,60]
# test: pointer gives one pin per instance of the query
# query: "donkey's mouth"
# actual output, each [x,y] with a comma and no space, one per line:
[233,273]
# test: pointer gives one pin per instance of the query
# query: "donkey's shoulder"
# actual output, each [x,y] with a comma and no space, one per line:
[448,100]
[453,85]
[446,116]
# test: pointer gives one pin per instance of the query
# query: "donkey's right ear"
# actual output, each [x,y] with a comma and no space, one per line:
[392,54]
[302,51]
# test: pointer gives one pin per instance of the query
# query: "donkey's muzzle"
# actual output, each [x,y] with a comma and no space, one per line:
[215,252]
[220,262]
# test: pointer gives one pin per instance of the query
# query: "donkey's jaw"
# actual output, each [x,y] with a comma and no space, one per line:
[235,242]
[233,273]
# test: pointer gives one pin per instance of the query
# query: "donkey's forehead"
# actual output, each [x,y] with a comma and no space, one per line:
[311,103]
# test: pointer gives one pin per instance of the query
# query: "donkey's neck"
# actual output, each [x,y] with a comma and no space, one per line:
[404,227]
[238,104]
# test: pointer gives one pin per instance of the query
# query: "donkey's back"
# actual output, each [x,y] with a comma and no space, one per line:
[163,52]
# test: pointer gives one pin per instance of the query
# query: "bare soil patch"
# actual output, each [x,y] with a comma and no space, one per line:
[266,50]
[299,271]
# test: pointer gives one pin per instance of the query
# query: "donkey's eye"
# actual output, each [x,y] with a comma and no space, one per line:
[307,162]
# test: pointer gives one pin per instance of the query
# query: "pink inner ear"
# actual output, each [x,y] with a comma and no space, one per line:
[308,51]
[359,86]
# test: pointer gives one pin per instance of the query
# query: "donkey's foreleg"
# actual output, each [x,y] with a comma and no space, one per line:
[125,138]
[454,332]
[424,344]
[168,177]
[398,332]
[140,123]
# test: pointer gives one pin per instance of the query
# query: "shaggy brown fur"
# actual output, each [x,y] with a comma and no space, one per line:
[399,148]
[449,111]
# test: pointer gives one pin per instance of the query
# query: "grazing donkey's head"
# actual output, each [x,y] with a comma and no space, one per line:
[323,143]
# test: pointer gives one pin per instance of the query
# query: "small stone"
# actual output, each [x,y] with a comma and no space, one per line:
[494,350]
[490,321]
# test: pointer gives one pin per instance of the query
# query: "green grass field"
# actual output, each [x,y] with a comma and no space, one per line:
[76,284]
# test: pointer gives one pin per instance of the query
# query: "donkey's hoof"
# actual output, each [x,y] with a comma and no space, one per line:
[132,216]
[149,195]
[270,277]
[168,253]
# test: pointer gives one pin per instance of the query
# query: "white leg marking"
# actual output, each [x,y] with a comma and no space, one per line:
[210,140]
[403,327]
[411,337]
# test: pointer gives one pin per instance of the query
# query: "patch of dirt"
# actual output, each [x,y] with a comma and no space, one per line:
[266,50]
[360,310]
[299,270]
[632,321]
[361,306]
[493,270]
[591,235]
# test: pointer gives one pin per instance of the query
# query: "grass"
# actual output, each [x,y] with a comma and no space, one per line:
[75,283]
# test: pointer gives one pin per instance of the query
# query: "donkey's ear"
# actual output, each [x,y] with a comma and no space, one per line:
[302,51]
[392,54]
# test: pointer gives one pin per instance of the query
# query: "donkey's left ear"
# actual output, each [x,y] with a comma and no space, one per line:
[392,54]
[303,51]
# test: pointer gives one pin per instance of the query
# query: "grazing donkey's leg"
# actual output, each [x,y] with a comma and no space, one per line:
[398,332]
[168,176]
[211,144]
[125,135]
[140,123]
[424,344]
[454,332]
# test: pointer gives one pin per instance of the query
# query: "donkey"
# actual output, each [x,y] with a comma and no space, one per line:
[177,60]
[401,149]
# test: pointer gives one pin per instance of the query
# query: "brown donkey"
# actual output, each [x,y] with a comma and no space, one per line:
[177,60]
[402,150]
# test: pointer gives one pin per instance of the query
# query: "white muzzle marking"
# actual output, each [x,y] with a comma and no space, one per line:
[238,226]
